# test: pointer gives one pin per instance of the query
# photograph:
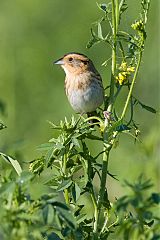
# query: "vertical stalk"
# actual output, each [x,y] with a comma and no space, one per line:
[104,177]
[132,85]
[114,31]
[66,193]
[107,146]
[95,211]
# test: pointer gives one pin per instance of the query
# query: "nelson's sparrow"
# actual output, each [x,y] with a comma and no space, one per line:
[83,83]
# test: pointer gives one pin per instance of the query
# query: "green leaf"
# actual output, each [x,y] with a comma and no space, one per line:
[49,198]
[100,31]
[65,184]
[93,137]
[13,162]
[58,204]
[94,39]
[49,154]
[7,188]
[48,214]
[53,183]
[45,146]
[67,215]
[114,127]
[148,108]
[45,213]
[53,236]
[75,142]
[76,191]
[81,218]
[25,177]
[122,8]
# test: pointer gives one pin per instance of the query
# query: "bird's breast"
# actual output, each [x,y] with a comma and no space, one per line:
[75,83]
[85,94]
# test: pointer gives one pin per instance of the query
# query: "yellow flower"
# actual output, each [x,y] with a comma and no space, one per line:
[130,69]
[125,72]
[122,77]
[123,66]
[139,26]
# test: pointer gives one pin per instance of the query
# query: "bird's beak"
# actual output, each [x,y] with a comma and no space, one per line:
[59,61]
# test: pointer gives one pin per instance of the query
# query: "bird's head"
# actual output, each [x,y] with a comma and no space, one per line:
[75,63]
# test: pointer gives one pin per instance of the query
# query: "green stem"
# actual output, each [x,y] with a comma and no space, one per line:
[104,177]
[95,211]
[114,30]
[66,193]
[131,87]
[107,147]
[117,15]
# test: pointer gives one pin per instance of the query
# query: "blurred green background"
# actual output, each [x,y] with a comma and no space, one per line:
[35,33]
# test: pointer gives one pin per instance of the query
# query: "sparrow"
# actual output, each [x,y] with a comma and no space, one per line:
[83,83]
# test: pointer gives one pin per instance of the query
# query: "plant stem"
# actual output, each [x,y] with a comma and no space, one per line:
[95,211]
[66,193]
[104,177]
[107,147]
[132,85]
[117,15]
[114,31]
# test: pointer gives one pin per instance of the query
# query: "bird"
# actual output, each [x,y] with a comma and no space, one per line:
[83,83]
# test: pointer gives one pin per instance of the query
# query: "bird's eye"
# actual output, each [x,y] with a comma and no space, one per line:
[85,62]
[70,59]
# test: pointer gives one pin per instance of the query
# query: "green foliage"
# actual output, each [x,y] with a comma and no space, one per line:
[139,214]
[26,218]
[12,161]
[77,204]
